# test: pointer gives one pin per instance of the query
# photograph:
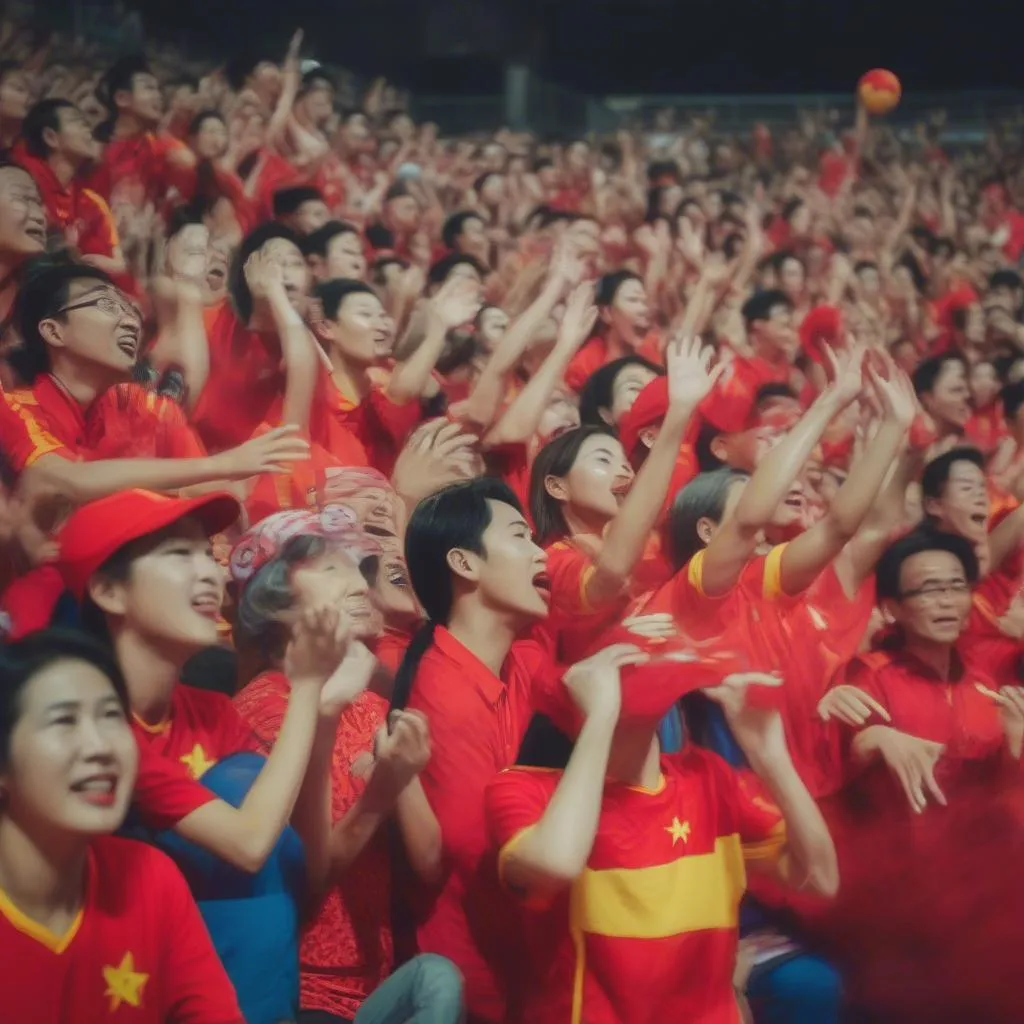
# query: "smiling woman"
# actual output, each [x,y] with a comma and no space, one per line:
[77,904]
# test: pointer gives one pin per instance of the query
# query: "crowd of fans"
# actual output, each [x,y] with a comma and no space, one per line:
[499,579]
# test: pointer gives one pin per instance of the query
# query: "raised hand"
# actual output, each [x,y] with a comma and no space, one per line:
[263,275]
[401,749]
[1011,706]
[690,374]
[912,761]
[895,394]
[317,647]
[349,679]
[847,372]
[437,453]
[594,682]
[580,315]
[457,303]
[758,730]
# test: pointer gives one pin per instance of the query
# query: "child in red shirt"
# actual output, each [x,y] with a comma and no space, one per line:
[91,926]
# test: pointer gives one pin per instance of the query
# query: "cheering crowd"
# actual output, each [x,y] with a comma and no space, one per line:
[502,580]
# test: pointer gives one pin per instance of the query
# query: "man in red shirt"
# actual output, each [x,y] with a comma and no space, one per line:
[57,146]
[774,341]
[635,862]
[136,161]
[943,390]
[80,337]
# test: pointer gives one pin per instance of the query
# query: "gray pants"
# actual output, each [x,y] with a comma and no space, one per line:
[426,990]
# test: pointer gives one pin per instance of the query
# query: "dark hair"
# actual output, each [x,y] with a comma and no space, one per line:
[287,201]
[936,473]
[333,293]
[379,236]
[439,271]
[1012,397]
[120,77]
[380,265]
[704,497]
[316,78]
[760,306]
[707,460]
[182,217]
[597,391]
[608,286]
[44,291]
[203,116]
[924,538]
[1000,279]
[790,207]
[455,225]
[773,390]
[457,516]
[927,373]
[22,660]
[238,287]
[864,265]
[482,180]
[318,242]
[556,458]
[44,115]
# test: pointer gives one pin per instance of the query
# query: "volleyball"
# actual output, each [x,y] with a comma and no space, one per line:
[879,90]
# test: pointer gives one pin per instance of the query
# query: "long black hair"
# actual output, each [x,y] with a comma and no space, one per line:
[457,516]
[556,458]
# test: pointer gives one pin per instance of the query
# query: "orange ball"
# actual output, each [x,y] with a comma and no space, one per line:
[879,91]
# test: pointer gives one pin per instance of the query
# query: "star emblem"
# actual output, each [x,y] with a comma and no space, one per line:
[124,983]
[196,761]
[678,830]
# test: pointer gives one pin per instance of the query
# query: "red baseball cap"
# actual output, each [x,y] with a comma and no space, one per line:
[822,326]
[97,530]
[648,409]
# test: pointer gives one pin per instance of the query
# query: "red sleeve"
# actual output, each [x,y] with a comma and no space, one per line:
[745,808]
[195,985]
[165,792]
[570,570]
[29,602]
[100,236]
[396,420]
[23,437]
[262,705]
[516,799]
[236,734]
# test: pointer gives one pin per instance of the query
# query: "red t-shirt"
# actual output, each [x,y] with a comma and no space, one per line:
[347,949]
[74,207]
[41,420]
[477,723]
[649,929]
[201,728]
[137,951]
[30,601]
[142,165]
[246,379]
[594,354]
[375,428]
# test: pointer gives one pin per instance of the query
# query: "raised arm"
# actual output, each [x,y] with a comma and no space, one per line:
[805,557]
[735,540]
[690,378]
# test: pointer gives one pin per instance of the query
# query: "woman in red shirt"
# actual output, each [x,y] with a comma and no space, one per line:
[594,519]
[90,925]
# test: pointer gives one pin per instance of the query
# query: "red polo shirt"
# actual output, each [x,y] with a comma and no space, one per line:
[477,722]
[136,951]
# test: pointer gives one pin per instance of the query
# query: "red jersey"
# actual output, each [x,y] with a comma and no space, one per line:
[30,601]
[649,929]
[346,949]
[986,428]
[74,209]
[985,643]
[374,428]
[137,950]
[142,166]
[477,723]
[594,354]
[201,728]
[40,420]
[245,381]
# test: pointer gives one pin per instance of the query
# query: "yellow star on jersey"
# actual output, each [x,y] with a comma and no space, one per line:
[196,761]
[678,830]
[124,983]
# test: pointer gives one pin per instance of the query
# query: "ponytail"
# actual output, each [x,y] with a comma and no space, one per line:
[406,674]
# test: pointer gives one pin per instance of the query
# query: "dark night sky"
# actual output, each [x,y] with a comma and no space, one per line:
[604,46]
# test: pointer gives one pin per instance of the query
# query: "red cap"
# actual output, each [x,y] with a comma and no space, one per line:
[821,326]
[728,410]
[649,408]
[97,530]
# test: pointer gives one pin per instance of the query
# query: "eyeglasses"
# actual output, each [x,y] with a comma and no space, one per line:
[111,305]
[933,591]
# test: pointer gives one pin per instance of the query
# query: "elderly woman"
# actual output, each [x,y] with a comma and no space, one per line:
[289,563]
